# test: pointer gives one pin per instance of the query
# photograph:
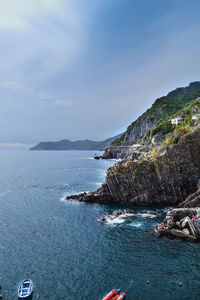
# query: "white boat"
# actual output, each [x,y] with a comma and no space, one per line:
[25,289]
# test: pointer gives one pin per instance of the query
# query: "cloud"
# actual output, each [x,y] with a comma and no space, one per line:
[63,103]
[46,96]
[10,85]
[39,38]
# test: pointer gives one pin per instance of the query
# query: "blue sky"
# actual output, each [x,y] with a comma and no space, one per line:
[81,69]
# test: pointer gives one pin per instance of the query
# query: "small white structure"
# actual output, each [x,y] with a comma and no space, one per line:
[176,120]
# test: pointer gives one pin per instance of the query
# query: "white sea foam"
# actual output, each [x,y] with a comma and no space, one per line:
[74,202]
[130,214]
[62,199]
[135,224]
[112,220]
[147,215]
[103,173]
[115,220]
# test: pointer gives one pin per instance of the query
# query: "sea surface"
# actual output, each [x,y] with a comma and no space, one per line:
[63,247]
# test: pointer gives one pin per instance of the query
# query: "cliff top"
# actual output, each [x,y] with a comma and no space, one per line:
[161,110]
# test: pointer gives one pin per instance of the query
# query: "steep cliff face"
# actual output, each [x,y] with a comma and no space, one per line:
[162,109]
[126,147]
[140,129]
[125,152]
[165,179]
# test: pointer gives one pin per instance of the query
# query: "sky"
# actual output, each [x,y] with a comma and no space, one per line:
[85,69]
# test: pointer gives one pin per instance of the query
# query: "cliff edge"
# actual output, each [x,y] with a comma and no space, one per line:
[166,178]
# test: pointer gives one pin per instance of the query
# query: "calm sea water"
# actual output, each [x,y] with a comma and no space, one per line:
[63,248]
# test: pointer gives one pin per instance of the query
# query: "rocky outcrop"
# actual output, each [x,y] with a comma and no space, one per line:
[125,152]
[181,223]
[130,149]
[193,200]
[165,179]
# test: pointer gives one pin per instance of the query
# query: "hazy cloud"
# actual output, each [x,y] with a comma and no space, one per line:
[10,85]
[63,103]
[39,38]
[93,65]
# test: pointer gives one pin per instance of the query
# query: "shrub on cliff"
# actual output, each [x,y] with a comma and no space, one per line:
[161,110]
[175,139]
[165,127]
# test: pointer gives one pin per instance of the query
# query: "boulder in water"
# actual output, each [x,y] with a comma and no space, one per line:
[184,222]
[117,213]
[186,231]
[181,234]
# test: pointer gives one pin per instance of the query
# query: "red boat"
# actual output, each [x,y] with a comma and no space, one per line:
[115,295]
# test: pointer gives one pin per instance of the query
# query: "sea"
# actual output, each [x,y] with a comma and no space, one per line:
[64,247]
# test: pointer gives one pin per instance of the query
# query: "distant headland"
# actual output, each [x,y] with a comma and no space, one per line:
[76,145]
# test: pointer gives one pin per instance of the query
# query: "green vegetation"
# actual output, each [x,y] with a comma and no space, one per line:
[165,127]
[168,141]
[175,139]
[181,129]
[164,108]
[188,117]
[153,154]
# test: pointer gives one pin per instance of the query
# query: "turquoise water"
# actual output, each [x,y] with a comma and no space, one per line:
[63,248]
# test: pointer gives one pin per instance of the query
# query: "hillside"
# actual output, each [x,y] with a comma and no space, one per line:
[77,145]
[161,110]
[164,166]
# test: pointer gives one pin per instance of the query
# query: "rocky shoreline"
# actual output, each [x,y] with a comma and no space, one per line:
[167,179]
[171,178]
[159,164]
[181,223]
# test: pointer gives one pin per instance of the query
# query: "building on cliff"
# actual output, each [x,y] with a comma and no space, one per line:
[177,120]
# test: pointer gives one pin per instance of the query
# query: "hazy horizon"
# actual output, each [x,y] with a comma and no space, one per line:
[74,70]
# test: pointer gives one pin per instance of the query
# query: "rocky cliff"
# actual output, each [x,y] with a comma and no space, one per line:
[162,109]
[167,178]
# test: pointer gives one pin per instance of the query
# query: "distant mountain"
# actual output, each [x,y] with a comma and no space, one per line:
[77,145]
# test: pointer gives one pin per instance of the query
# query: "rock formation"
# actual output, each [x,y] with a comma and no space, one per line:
[193,200]
[165,179]
[181,223]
